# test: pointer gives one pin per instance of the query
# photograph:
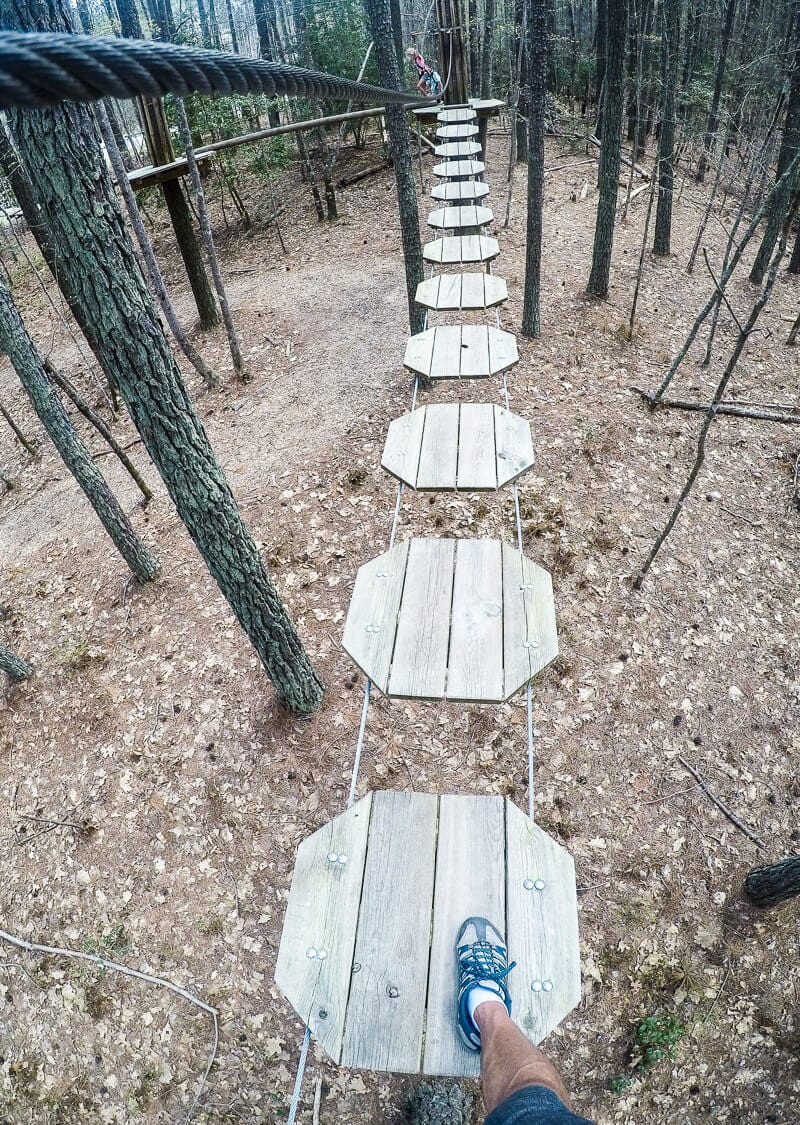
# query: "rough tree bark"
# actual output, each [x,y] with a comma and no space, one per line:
[671,16]
[486,53]
[610,151]
[774,884]
[710,137]
[601,62]
[536,48]
[402,155]
[11,664]
[28,364]
[440,1103]
[60,148]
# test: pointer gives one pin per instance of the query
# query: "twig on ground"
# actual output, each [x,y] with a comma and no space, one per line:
[739,516]
[748,832]
[317,1101]
[730,408]
[796,483]
[162,982]
[707,1016]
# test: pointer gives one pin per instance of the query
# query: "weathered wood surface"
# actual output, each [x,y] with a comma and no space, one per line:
[457,169]
[415,867]
[457,150]
[457,132]
[456,115]
[461,249]
[448,292]
[316,950]
[456,218]
[461,351]
[460,191]
[393,935]
[474,623]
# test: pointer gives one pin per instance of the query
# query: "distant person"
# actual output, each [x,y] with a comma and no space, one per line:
[429,83]
[520,1086]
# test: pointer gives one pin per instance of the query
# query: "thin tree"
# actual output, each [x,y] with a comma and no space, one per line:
[60,148]
[601,61]
[26,444]
[402,155]
[671,16]
[710,137]
[29,366]
[610,150]
[536,46]
[13,666]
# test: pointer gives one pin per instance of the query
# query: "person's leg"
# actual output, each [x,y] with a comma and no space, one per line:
[509,1061]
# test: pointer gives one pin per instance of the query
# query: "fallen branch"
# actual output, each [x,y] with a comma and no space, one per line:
[421,137]
[629,163]
[102,963]
[723,408]
[748,832]
[362,175]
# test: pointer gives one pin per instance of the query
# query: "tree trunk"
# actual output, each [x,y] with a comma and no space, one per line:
[671,16]
[794,261]
[474,48]
[60,148]
[397,31]
[772,885]
[267,45]
[10,663]
[28,364]
[29,448]
[440,1103]
[610,152]
[790,146]
[536,43]
[402,155]
[232,26]
[602,60]
[486,54]
[709,140]
[205,30]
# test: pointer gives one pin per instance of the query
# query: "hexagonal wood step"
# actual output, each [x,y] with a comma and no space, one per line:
[457,150]
[457,115]
[457,169]
[461,351]
[377,900]
[446,292]
[468,620]
[459,218]
[461,248]
[464,447]
[460,191]
[457,132]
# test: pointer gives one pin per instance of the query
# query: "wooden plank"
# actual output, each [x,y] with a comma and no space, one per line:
[455,190]
[470,881]
[496,289]
[439,448]
[318,986]
[428,291]
[462,132]
[474,351]
[386,1009]
[401,451]
[456,115]
[447,352]
[370,626]
[503,349]
[475,666]
[477,459]
[419,665]
[457,149]
[419,349]
[451,169]
[541,927]
[516,655]
[514,445]
[473,291]
[540,615]
[450,291]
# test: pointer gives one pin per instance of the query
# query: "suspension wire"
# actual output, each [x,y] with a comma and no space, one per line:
[360,743]
[531,764]
[298,1081]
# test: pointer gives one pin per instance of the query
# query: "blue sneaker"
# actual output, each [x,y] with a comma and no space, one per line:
[482,963]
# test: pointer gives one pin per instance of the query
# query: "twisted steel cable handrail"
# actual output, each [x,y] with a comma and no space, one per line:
[45,68]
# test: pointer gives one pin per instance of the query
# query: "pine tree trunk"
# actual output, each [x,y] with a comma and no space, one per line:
[536,43]
[10,663]
[402,155]
[777,883]
[486,54]
[474,48]
[602,60]
[232,26]
[666,138]
[213,21]
[794,261]
[267,45]
[28,364]
[610,151]
[709,140]
[205,30]
[790,146]
[61,150]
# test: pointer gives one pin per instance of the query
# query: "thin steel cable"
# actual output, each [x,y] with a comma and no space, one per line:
[360,743]
[44,68]
[529,701]
[298,1079]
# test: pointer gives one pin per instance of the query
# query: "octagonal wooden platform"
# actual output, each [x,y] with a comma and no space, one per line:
[468,217]
[457,115]
[446,292]
[457,169]
[461,351]
[459,249]
[460,191]
[457,132]
[464,447]
[367,955]
[457,150]
[469,620]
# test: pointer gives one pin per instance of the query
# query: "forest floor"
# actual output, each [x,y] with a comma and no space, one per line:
[152,793]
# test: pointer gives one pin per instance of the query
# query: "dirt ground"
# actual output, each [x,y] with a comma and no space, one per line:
[153,794]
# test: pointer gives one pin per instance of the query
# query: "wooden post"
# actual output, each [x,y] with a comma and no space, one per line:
[452,58]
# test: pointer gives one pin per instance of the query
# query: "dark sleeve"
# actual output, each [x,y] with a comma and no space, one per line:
[534,1105]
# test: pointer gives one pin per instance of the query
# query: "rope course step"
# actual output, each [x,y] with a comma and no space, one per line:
[451,292]
[461,351]
[457,150]
[458,169]
[457,132]
[460,191]
[458,218]
[461,249]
